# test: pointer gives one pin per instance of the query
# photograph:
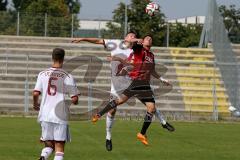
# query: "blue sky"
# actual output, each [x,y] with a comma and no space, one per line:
[94,9]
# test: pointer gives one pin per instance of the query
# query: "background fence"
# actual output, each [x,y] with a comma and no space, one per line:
[42,24]
[198,90]
[37,24]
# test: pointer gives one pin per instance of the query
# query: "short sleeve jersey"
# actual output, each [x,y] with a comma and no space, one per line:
[54,84]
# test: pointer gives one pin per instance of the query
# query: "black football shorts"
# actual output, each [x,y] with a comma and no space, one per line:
[140,89]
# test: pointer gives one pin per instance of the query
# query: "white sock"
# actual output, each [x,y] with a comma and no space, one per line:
[109,124]
[160,117]
[59,156]
[46,152]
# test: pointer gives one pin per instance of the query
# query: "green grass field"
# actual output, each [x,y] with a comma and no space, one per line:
[191,141]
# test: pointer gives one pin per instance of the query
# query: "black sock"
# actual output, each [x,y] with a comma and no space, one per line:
[109,106]
[146,123]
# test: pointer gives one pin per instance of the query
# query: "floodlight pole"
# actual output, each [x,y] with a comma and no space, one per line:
[126,19]
[26,97]
[18,22]
[214,92]
[45,25]
[72,29]
[90,104]
[99,28]
[167,34]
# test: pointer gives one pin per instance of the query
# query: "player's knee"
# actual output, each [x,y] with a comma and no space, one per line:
[151,109]
[49,144]
[112,112]
[120,101]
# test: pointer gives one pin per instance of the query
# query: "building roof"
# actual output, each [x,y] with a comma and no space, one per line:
[189,20]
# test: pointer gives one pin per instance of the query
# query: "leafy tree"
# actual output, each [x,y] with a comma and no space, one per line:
[21,5]
[7,22]
[3,5]
[138,21]
[116,27]
[184,35]
[73,5]
[231,17]
[59,13]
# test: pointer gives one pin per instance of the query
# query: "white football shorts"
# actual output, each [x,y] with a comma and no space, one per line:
[55,132]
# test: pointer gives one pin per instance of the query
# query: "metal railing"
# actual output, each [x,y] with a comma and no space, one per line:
[45,25]
[38,24]
[90,87]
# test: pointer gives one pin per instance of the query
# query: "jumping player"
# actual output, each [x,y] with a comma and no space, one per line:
[142,60]
[53,84]
[122,49]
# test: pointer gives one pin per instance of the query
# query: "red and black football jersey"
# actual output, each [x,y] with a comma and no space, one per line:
[143,62]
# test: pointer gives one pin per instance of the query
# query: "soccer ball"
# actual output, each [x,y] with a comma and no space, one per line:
[152,8]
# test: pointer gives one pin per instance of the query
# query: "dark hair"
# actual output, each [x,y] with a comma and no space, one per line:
[133,32]
[58,54]
[148,35]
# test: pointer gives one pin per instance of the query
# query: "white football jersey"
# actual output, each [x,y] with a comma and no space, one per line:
[119,49]
[54,84]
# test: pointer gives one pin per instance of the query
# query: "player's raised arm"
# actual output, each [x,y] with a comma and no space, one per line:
[123,61]
[90,40]
[135,40]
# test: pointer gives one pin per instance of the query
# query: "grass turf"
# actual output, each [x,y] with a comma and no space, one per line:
[191,141]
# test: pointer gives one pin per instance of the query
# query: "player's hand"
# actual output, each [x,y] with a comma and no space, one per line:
[136,40]
[139,41]
[164,81]
[36,107]
[76,40]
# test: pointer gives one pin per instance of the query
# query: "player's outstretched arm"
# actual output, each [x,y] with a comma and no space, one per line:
[135,40]
[156,75]
[90,40]
[115,58]
[36,105]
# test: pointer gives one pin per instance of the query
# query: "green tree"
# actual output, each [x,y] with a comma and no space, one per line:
[184,35]
[21,5]
[138,21]
[73,5]
[231,16]
[7,25]
[3,5]
[59,16]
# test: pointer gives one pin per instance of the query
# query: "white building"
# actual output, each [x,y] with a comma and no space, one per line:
[102,24]
[189,20]
[93,24]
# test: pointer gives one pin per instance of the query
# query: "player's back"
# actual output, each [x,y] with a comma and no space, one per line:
[54,84]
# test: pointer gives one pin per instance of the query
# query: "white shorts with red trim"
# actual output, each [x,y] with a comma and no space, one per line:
[55,132]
